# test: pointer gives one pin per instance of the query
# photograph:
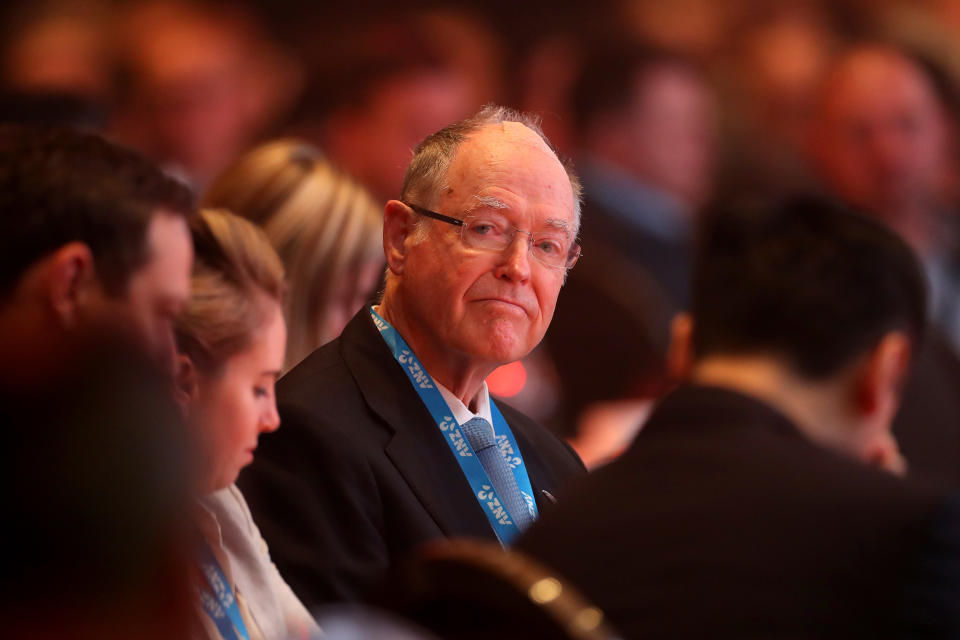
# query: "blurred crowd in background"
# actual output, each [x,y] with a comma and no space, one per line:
[301,118]
[662,105]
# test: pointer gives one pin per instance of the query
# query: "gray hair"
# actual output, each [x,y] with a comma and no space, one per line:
[431,159]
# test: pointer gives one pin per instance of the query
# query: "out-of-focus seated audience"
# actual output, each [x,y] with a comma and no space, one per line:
[97,477]
[744,507]
[747,507]
[230,339]
[90,234]
[326,228]
[201,81]
[646,132]
[884,142]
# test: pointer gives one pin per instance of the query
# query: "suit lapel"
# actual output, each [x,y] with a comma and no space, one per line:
[416,448]
[541,477]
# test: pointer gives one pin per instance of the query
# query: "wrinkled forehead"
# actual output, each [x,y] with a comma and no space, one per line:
[509,167]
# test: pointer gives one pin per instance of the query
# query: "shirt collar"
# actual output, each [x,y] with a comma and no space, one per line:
[460,411]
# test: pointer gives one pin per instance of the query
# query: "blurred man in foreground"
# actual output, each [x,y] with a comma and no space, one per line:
[91,235]
[390,435]
[750,511]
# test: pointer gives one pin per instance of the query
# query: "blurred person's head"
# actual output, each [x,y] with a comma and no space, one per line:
[462,290]
[814,308]
[326,227]
[230,339]
[883,141]
[469,45]
[97,474]
[202,81]
[90,234]
[697,28]
[649,114]
[387,99]
[778,61]
[57,47]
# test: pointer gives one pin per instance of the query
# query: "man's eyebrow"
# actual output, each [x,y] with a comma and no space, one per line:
[557,223]
[487,202]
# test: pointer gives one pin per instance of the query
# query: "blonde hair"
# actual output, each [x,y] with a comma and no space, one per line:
[235,270]
[324,225]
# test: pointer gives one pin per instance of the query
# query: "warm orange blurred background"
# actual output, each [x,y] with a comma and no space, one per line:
[684,100]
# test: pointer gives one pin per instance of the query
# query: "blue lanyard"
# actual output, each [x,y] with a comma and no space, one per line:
[218,599]
[503,525]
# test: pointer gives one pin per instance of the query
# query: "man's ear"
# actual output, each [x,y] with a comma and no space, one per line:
[186,387]
[398,225]
[882,376]
[70,281]
[882,452]
[680,351]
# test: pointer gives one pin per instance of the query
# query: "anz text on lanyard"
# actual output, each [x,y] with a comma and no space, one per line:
[504,526]
[218,600]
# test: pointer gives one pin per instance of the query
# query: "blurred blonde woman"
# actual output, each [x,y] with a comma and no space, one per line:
[230,348]
[326,228]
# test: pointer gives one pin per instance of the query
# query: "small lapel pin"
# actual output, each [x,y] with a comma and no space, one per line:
[549,496]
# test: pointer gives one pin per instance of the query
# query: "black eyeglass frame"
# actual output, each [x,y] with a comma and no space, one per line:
[457,222]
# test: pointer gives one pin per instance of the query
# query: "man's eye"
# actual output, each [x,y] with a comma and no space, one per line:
[549,246]
[482,228]
[260,392]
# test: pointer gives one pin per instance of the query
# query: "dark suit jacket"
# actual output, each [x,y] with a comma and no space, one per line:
[927,427]
[359,474]
[723,521]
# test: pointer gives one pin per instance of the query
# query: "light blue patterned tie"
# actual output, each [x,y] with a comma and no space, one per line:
[480,435]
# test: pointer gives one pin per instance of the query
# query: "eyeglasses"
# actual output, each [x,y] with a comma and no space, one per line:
[552,248]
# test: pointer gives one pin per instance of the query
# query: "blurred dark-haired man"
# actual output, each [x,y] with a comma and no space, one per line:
[91,235]
[744,507]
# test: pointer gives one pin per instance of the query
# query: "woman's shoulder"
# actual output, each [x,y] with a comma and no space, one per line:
[230,509]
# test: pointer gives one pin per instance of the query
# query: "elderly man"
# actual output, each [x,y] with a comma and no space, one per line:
[390,437]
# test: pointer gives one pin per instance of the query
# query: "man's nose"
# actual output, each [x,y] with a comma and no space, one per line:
[514,262]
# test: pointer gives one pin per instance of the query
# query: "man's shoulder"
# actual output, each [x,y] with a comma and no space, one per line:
[746,452]
[325,365]
[333,373]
